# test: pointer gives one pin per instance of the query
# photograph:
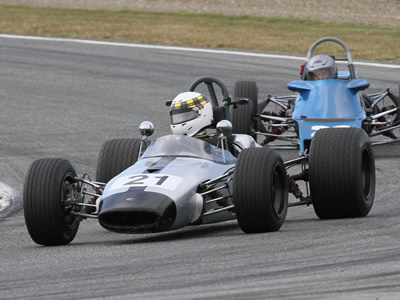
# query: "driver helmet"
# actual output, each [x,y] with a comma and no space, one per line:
[320,67]
[190,113]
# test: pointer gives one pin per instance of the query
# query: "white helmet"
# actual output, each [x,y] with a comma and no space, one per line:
[190,113]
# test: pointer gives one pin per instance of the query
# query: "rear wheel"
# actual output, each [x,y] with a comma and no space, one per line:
[243,116]
[341,173]
[260,190]
[115,156]
[46,189]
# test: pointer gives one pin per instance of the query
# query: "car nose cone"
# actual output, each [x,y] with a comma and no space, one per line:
[136,211]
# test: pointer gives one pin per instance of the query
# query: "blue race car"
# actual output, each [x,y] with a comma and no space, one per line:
[330,120]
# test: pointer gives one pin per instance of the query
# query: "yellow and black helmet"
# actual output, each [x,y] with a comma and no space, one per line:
[190,113]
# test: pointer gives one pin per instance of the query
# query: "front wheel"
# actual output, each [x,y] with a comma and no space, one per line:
[46,190]
[341,173]
[260,190]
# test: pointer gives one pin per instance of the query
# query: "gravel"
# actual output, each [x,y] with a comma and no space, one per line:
[368,12]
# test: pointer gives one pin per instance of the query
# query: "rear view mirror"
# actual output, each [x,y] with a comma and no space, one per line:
[242,101]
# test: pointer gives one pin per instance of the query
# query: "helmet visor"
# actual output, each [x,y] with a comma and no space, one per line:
[183,115]
[322,73]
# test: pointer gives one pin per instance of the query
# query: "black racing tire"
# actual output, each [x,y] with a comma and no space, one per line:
[341,173]
[46,186]
[244,116]
[260,190]
[396,102]
[115,156]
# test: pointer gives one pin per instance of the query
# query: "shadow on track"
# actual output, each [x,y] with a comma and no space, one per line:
[387,151]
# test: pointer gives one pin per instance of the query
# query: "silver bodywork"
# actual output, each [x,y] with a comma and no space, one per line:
[243,141]
[179,170]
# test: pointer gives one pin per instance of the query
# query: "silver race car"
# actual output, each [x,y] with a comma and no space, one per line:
[171,182]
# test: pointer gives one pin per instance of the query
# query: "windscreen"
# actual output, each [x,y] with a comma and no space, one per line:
[185,146]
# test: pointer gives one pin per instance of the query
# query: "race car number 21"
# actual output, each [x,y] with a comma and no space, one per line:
[169,182]
[140,179]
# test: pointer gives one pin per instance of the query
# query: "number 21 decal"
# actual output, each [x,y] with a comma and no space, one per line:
[140,179]
[169,182]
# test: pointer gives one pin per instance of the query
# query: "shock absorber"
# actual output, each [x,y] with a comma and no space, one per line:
[276,130]
[294,187]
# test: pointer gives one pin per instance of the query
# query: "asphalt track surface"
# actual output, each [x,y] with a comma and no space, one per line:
[62,99]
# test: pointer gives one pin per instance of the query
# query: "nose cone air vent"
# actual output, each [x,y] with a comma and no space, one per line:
[137,212]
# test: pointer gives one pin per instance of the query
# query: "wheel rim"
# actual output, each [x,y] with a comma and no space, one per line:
[278,191]
[392,117]
[69,221]
[366,174]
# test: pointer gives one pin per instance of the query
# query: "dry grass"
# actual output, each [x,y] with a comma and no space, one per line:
[199,30]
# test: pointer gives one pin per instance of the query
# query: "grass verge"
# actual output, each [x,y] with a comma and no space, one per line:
[291,36]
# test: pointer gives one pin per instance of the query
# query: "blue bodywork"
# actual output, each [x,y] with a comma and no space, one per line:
[327,103]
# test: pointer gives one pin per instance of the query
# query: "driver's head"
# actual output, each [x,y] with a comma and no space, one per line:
[190,113]
[320,67]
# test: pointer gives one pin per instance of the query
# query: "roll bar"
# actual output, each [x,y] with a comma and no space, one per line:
[344,46]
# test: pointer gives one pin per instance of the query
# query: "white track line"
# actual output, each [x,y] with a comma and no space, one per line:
[172,48]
